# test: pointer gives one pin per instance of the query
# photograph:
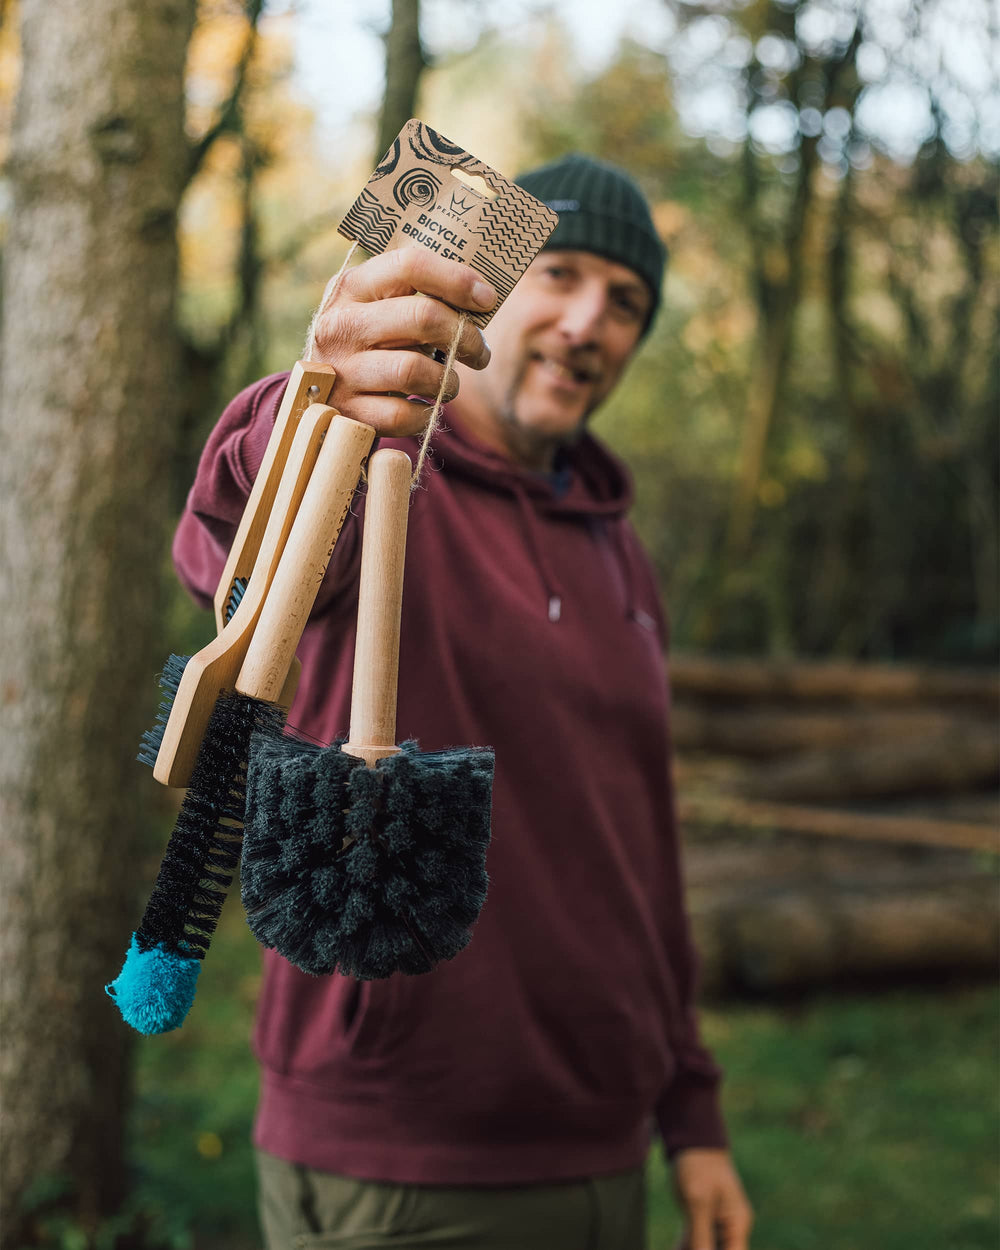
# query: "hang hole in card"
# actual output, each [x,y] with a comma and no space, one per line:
[428,192]
[475,183]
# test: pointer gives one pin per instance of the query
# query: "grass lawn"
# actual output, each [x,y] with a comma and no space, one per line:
[859,1123]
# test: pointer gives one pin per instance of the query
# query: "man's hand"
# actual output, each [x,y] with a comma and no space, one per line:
[717,1215]
[383,310]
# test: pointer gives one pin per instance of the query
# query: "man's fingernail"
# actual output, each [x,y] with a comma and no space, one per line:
[487,350]
[484,295]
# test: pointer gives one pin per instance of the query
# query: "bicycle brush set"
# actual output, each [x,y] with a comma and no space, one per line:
[363,856]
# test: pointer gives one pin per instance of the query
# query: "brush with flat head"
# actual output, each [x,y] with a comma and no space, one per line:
[170,746]
[156,986]
[366,857]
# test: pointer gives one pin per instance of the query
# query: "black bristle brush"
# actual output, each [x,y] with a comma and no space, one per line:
[156,986]
[365,857]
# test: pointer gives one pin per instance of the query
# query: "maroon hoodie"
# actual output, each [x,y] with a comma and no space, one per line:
[530,624]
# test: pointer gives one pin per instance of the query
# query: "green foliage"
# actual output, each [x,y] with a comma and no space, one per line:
[141,1224]
[196,1090]
[840,304]
[856,1121]
[867,1121]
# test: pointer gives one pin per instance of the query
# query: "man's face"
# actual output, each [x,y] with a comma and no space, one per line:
[559,344]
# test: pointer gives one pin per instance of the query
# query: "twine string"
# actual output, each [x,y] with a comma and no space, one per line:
[434,419]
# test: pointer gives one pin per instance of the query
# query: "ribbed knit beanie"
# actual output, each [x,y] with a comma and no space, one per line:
[601,210]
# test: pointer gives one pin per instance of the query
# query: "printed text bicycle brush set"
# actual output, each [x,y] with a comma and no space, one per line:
[362,857]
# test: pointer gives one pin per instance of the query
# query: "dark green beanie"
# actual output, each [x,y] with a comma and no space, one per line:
[601,210]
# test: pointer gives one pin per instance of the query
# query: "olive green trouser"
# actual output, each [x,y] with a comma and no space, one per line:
[305,1210]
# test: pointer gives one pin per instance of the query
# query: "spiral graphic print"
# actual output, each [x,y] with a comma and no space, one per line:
[418,187]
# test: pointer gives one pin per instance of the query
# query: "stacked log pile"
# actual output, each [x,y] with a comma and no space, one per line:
[841,820]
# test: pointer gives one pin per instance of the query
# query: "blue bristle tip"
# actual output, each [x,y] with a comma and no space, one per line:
[155,988]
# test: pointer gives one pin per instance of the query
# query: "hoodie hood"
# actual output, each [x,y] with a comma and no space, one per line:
[590,481]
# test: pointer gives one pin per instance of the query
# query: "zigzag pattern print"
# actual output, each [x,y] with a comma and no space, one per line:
[370,223]
[508,228]
[503,282]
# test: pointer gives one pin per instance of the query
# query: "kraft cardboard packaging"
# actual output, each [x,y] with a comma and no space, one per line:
[428,192]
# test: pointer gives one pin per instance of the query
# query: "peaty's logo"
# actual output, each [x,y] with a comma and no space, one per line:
[460,205]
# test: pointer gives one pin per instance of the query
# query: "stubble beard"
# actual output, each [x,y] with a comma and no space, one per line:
[534,447]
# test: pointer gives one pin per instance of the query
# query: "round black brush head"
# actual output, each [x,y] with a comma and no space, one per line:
[366,871]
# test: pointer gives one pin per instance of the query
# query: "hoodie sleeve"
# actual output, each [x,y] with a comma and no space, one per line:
[226,471]
[688,1111]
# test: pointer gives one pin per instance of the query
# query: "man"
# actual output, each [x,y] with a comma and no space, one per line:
[506,1098]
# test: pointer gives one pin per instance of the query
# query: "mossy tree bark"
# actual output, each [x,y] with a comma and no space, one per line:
[89,394]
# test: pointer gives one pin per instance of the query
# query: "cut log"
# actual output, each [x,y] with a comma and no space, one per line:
[965,758]
[812,937]
[749,679]
[759,732]
[828,823]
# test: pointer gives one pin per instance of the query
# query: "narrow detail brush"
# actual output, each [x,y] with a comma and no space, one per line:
[365,857]
[156,986]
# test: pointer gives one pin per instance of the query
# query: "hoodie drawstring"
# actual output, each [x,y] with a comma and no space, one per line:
[536,547]
[627,563]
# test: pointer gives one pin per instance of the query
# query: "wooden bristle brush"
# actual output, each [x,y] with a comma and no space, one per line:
[156,986]
[177,720]
[365,857]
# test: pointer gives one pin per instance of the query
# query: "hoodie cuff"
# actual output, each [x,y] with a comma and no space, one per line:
[690,1116]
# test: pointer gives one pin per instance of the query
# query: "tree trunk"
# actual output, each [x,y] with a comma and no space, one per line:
[89,379]
[404,63]
[778,301]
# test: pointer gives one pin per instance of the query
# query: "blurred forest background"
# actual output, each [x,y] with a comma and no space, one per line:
[813,422]
[813,429]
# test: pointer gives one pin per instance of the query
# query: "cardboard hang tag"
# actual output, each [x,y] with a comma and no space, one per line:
[428,192]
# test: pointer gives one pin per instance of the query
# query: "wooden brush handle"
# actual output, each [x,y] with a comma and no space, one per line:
[216,666]
[380,596]
[308,383]
[303,562]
